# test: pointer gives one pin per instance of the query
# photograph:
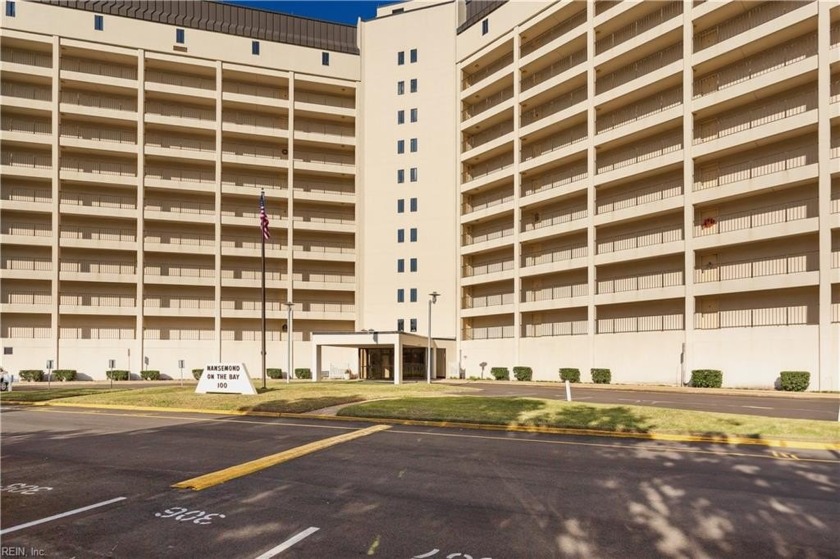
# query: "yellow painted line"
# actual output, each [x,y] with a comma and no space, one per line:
[221,476]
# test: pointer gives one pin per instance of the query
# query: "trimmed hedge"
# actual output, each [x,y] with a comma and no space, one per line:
[706,378]
[795,381]
[601,376]
[570,374]
[150,375]
[275,373]
[303,373]
[32,375]
[197,373]
[65,374]
[523,373]
[117,374]
[500,373]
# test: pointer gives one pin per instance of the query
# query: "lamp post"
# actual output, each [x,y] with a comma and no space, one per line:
[432,300]
[290,330]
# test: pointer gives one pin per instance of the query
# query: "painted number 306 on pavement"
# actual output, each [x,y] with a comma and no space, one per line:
[182,514]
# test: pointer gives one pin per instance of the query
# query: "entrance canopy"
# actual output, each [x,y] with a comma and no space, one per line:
[381,353]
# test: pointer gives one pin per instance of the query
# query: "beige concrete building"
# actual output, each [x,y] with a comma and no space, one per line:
[651,187]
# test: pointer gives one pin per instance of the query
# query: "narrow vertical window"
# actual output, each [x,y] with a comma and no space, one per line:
[179,36]
[325,59]
[400,87]
[400,176]
[255,47]
[413,145]
[400,235]
[413,326]
[414,85]
[412,295]
[412,265]
[400,325]
[413,173]
[400,266]
[400,146]
[413,56]
[485,27]
[400,206]
[98,23]
[413,204]
[413,115]
[10,9]
[400,117]
[413,235]
[401,58]
[400,295]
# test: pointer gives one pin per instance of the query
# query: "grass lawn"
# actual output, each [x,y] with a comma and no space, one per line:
[50,394]
[603,417]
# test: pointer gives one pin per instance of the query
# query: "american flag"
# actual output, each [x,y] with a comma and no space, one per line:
[263,218]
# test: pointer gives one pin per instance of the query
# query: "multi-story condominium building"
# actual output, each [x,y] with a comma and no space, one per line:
[650,187]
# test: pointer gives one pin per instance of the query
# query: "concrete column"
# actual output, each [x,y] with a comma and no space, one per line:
[398,361]
[316,360]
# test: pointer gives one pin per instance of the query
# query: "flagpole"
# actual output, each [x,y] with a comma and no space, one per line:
[263,231]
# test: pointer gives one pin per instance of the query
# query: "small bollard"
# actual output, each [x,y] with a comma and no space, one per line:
[568,392]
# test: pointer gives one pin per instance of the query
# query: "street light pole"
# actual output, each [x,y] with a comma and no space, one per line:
[289,327]
[432,300]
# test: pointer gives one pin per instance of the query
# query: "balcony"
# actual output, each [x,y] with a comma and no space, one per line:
[186,211]
[93,302]
[552,70]
[555,292]
[26,59]
[179,273]
[23,300]
[755,217]
[744,22]
[489,332]
[473,110]
[649,106]
[235,182]
[179,241]
[101,106]
[487,168]
[254,93]
[75,202]
[92,135]
[333,281]
[555,323]
[646,23]
[487,232]
[124,238]
[26,95]
[325,161]
[641,193]
[642,281]
[557,104]
[654,237]
[246,276]
[98,170]
[98,72]
[646,323]
[324,190]
[570,253]
[560,140]
[180,84]
[555,178]
[644,150]
[28,130]
[483,301]
[537,218]
[26,198]
[175,114]
[25,267]
[759,267]
[163,305]
[26,232]
[322,249]
[318,131]
[479,75]
[556,31]
[250,122]
[486,136]
[26,163]
[479,266]
[76,269]
[316,102]
[639,68]
[324,218]
[267,155]
[488,199]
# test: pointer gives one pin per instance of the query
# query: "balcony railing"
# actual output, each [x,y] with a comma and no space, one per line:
[325,99]
[325,188]
[758,217]
[206,303]
[326,158]
[747,318]
[255,150]
[482,235]
[492,68]
[648,106]
[492,133]
[488,267]
[255,90]
[12,124]
[169,141]
[554,69]
[28,57]
[179,271]
[97,300]
[556,31]
[110,102]
[325,246]
[547,218]
[639,68]
[254,181]
[747,118]
[98,233]
[557,328]
[181,207]
[180,175]
[485,200]
[110,201]
[758,267]
[27,298]
[563,139]
[98,267]
[489,333]
[99,167]
[658,146]
[180,111]
[642,281]
[255,120]
[23,91]
[181,80]
[761,14]
[652,323]
[23,194]
[639,196]
[26,264]
[180,238]
[325,216]
[87,66]
[714,175]
[555,179]
[251,273]
[557,254]
[311,127]
[500,163]
[494,300]
[602,6]
[487,103]
[636,28]
[324,277]
[639,239]
[555,292]
[25,229]
[26,159]
[766,61]
[554,106]
[99,133]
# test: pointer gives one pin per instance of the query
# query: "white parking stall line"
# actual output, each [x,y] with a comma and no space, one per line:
[57,516]
[288,543]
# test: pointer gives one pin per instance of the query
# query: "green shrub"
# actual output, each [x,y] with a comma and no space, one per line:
[500,373]
[793,381]
[303,373]
[64,374]
[197,373]
[35,375]
[523,373]
[601,376]
[570,374]
[275,373]
[706,378]
[150,375]
[117,374]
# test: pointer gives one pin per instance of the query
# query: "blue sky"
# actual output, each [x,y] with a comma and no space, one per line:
[342,11]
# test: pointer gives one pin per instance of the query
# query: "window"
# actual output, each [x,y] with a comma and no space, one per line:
[413,323]
[413,234]
[400,295]
[400,117]
[413,173]
[413,85]
[98,23]
[485,27]
[400,235]
[413,56]
[8,350]
[400,176]
[255,47]
[413,115]
[400,266]
[179,36]
[401,58]
[325,59]
[10,9]
[400,206]
[412,265]
[413,204]
[413,145]
[400,87]
[400,325]
[413,295]
[400,146]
